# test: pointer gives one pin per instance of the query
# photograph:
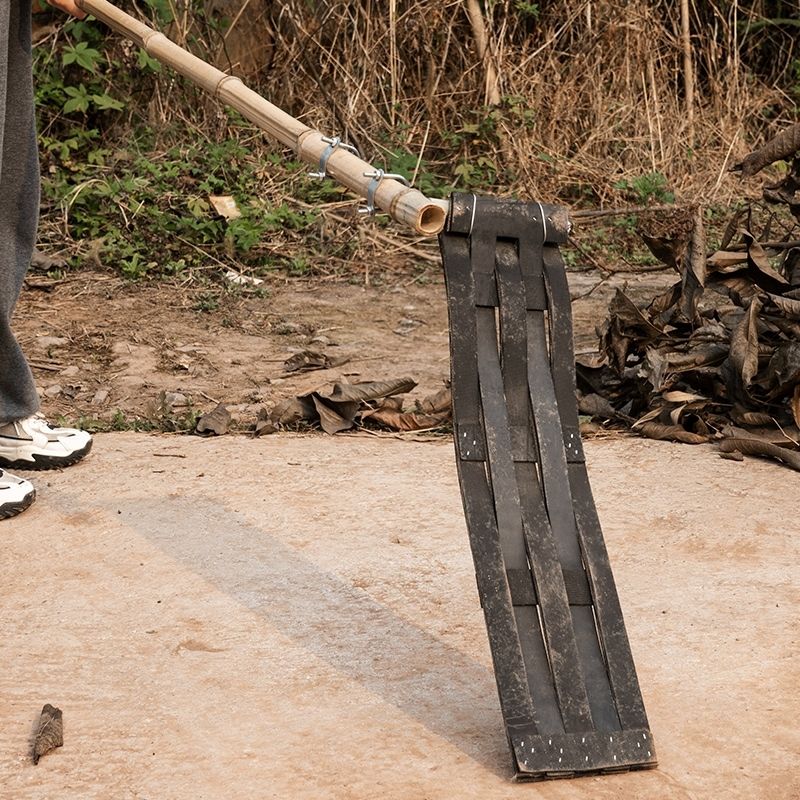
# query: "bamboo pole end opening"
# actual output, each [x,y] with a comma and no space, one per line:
[431,219]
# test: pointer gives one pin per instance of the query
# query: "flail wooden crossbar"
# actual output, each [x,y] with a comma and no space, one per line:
[568,688]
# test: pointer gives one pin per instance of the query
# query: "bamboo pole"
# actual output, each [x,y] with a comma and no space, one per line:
[402,203]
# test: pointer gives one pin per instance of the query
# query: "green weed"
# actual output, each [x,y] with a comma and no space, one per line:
[652,186]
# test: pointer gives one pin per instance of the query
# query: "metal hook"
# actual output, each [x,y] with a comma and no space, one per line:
[333,142]
[377,176]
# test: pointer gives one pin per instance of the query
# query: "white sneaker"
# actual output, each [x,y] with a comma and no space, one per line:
[16,494]
[32,444]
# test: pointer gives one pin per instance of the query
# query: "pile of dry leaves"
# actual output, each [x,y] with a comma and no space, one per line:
[716,356]
[340,406]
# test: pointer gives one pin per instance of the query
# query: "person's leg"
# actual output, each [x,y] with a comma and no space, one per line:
[19,200]
[25,441]
[17,391]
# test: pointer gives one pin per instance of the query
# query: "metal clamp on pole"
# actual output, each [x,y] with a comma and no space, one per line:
[333,143]
[377,176]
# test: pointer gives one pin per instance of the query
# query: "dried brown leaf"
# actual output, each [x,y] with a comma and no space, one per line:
[616,345]
[785,326]
[673,433]
[391,417]
[700,356]
[308,360]
[743,417]
[591,361]
[787,305]
[264,425]
[791,266]
[436,403]
[731,228]
[738,287]
[225,206]
[215,422]
[795,405]
[334,419]
[293,410]
[693,278]
[305,361]
[663,302]
[788,436]
[759,447]
[782,146]
[656,367]
[49,732]
[724,261]
[744,345]
[631,316]
[682,397]
[430,412]
[367,390]
[666,234]
[762,271]
[594,405]
[675,414]
[710,331]
[653,413]
[783,371]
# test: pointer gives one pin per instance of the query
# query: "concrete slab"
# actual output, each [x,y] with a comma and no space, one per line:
[296,617]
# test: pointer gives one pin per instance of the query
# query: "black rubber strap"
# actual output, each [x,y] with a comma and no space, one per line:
[567,684]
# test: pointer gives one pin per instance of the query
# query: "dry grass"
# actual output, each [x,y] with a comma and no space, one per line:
[570,103]
[590,95]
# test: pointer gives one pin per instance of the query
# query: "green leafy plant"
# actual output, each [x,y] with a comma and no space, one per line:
[652,186]
[83,55]
[527,9]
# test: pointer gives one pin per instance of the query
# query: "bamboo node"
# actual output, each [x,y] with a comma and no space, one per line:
[222,81]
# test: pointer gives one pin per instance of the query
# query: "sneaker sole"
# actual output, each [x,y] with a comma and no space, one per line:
[12,509]
[46,462]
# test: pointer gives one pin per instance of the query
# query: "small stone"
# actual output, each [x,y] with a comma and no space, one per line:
[406,325]
[100,397]
[69,372]
[53,391]
[175,399]
[286,328]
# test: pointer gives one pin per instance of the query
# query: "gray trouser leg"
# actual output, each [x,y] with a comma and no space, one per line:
[19,200]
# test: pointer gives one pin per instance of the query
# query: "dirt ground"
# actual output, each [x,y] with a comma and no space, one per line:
[296,616]
[103,349]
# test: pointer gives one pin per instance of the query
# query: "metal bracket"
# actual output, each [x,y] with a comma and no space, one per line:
[333,142]
[377,176]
